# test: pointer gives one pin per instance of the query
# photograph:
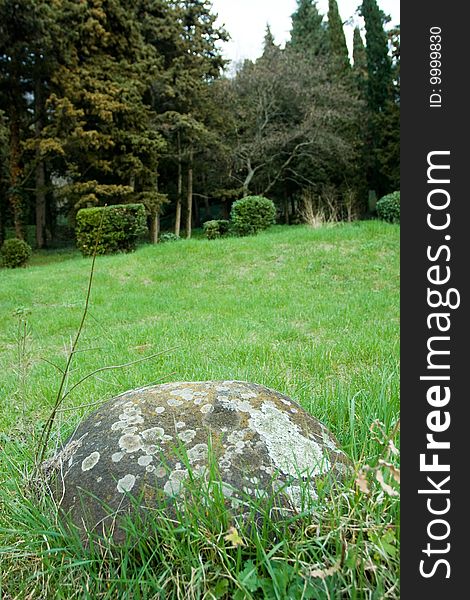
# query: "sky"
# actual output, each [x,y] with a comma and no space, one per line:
[246,21]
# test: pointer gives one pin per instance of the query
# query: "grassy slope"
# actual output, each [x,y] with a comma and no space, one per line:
[312,313]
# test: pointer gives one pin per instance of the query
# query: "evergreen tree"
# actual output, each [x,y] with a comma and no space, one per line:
[388,153]
[379,66]
[269,44]
[360,61]
[110,147]
[194,63]
[4,174]
[337,39]
[308,33]
[383,112]
[394,43]
[24,39]
[270,48]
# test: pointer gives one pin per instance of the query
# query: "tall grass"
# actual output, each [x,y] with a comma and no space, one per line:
[311,313]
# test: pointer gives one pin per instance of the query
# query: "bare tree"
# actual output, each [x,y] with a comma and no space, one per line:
[291,122]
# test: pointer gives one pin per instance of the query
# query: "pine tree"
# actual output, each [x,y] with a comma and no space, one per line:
[308,33]
[337,39]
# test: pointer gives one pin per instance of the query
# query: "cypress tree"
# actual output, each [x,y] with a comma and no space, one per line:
[269,44]
[269,41]
[383,113]
[110,147]
[308,33]
[337,39]
[23,29]
[379,66]
[359,61]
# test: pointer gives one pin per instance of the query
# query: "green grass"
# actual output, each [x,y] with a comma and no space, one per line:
[311,313]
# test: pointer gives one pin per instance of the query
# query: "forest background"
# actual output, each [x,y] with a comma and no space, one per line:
[113,101]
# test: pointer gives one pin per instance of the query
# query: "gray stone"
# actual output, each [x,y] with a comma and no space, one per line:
[144,443]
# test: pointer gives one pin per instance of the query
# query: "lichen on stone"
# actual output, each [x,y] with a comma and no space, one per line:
[130,442]
[126,483]
[148,439]
[117,456]
[144,461]
[197,453]
[90,461]
[175,482]
[187,436]
[290,451]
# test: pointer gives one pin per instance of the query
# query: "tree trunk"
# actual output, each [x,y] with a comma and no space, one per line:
[248,178]
[286,211]
[226,205]
[197,220]
[179,189]
[2,222]
[155,217]
[207,208]
[15,198]
[154,227]
[189,214]
[41,236]
[40,169]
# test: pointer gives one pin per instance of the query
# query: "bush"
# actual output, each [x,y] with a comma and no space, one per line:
[15,253]
[169,237]
[388,208]
[216,228]
[121,226]
[252,214]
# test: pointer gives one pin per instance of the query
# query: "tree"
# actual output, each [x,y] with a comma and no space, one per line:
[383,126]
[388,148]
[308,33]
[183,103]
[23,34]
[379,66]
[289,129]
[269,43]
[359,62]
[4,174]
[337,40]
[394,45]
[99,114]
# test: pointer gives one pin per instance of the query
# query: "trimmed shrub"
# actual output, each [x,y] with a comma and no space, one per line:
[121,226]
[216,228]
[169,237]
[388,207]
[15,253]
[252,214]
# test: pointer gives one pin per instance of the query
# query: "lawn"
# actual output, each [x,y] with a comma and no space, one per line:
[312,313]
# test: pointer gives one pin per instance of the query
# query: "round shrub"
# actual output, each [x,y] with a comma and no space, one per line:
[216,228]
[169,237]
[388,207]
[15,253]
[114,228]
[252,214]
